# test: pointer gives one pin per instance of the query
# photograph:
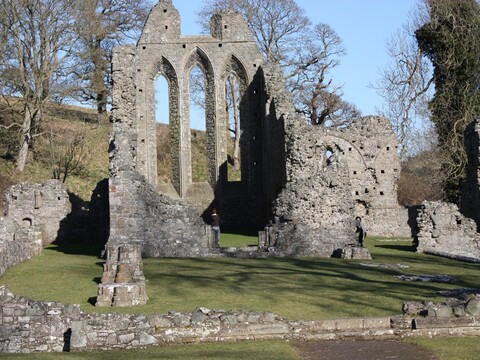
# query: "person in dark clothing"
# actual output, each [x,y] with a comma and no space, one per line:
[361,230]
[216,227]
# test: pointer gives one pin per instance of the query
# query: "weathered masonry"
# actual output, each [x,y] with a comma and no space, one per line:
[138,203]
[230,49]
[277,148]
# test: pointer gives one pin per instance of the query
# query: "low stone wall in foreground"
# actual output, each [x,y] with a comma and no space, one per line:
[28,326]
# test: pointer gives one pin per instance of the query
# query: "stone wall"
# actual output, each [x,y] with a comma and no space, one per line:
[33,217]
[32,326]
[17,243]
[369,148]
[315,211]
[163,51]
[44,205]
[28,326]
[163,226]
[443,230]
[323,178]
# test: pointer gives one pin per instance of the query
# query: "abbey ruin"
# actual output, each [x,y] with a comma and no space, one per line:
[288,175]
[301,188]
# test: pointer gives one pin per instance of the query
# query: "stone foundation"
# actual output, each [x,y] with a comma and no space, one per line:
[123,282]
[28,326]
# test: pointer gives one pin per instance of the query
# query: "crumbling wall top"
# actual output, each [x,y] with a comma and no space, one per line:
[163,24]
[229,26]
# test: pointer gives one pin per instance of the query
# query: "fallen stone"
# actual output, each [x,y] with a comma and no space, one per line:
[385,266]
[432,278]
[473,306]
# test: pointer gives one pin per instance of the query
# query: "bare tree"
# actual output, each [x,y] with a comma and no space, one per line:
[308,78]
[101,25]
[36,38]
[405,85]
[66,155]
[285,36]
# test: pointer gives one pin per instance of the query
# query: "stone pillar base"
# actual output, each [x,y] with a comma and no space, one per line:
[123,282]
[356,252]
[121,295]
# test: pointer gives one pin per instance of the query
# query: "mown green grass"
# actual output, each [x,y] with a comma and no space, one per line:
[297,289]
[450,348]
[265,350]
[237,240]
[301,288]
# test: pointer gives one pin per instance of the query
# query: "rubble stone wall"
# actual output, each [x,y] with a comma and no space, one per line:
[33,217]
[44,205]
[362,161]
[32,326]
[17,244]
[138,213]
[28,326]
[369,148]
[443,230]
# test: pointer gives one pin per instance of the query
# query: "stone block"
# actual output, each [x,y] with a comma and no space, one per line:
[7,311]
[198,317]
[377,323]
[349,324]
[439,310]
[181,320]
[146,339]
[126,338]
[473,306]
[78,340]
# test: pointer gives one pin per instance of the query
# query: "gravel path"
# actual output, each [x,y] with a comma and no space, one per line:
[361,350]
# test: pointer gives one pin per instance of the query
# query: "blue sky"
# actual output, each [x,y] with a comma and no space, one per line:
[363,25]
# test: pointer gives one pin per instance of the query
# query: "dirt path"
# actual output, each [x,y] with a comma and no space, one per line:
[361,350]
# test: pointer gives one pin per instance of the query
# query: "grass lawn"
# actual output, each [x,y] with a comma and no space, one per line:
[297,288]
[265,350]
[451,348]
[237,240]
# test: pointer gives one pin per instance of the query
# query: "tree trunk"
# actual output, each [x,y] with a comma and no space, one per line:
[22,154]
[102,106]
[26,139]
[98,82]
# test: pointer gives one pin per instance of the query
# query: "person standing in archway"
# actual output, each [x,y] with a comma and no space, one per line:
[361,230]
[216,227]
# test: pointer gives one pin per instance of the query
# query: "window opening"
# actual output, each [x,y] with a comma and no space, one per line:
[329,157]
[232,106]
[162,117]
[197,124]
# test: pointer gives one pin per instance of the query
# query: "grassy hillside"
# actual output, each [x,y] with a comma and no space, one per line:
[60,125]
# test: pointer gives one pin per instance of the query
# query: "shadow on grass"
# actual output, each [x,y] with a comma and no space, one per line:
[408,248]
[88,249]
